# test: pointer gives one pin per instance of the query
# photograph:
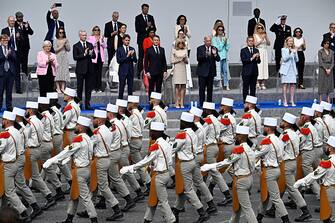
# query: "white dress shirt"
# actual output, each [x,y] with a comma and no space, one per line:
[271,154]
[102,140]
[48,126]
[254,123]
[227,134]
[185,148]
[310,141]
[9,145]
[71,114]
[58,120]
[34,132]
[137,123]
[291,142]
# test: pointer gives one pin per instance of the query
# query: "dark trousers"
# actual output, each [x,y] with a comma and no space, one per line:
[18,72]
[24,61]
[97,67]
[46,84]
[81,78]
[301,67]
[205,82]
[140,59]
[111,53]
[249,83]
[277,58]
[122,83]
[155,83]
[6,84]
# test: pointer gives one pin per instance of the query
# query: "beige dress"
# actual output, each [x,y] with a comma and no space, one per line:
[179,71]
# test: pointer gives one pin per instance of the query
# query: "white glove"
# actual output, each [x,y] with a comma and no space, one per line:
[299,183]
[278,20]
[48,163]
[65,161]
[127,169]
[207,167]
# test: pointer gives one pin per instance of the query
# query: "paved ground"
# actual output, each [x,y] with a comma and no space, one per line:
[58,212]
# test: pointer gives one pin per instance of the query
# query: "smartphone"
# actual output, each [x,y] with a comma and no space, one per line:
[58,4]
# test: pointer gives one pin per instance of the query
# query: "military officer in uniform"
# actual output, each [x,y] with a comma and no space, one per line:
[157,112]
[328,119]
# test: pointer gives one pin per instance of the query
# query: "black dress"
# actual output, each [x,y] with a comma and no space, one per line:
[46,82]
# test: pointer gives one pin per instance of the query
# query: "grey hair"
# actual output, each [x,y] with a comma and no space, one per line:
[46,43]
[81,31]
[115,12]
[209,37]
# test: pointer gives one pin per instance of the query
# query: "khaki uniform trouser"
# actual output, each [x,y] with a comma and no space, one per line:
[272,175]
[163,203]
[114,173]
[243,187]
[124,161]
[188,171]
[58,144]
[199,183]
[290,173]
[308,159]
[83,176]
[50,172]
[331,199]
[212,151]
[135,155]
[20,182]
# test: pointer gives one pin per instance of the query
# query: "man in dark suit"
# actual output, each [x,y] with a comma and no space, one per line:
[53,24]
[207,55]
[155,65]
[23,44]
[282,31]
[14,39]
[126,57]
[250,58]
[111,30]
[83,53]
[143,22]
[331,37]
[7,71]
[252,22]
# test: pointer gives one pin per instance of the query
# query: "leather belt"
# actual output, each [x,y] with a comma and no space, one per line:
[162,172]
[140,137]
[9,161]
[288,160]
[102,157]
[46,141]
[83,166]
[243,176]
[185,161]
[271,167]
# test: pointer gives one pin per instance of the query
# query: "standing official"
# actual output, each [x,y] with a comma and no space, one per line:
[252,22]
[53,24]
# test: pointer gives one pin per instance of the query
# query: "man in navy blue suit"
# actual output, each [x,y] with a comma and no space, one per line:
[126,57]
[7,71]
[53,24]
[250,59]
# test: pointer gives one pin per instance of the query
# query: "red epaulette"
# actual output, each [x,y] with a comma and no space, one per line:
[247,116]
[96,131]
[151,114]
[238,150]
[153,147]
[77,139]
[208,120]
[266,141]
[67,107]
[305,131]
[113,127]
[285,138]
[181,135]
[325,164]
[4,135]
[225,121]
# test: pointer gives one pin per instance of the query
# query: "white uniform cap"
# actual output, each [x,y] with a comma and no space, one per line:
[331,141]
[251,99]
[156,95]
[227,102]
[70,92]
[121,103]
[270,122]
[43,100]
[84,121]
[288,117]
[208,105]
[326,106]
[112,108]
[187,117]
[317,107]
[19,112]
[99,113]
[196,111]
[32,104]
[9,116]
[52,95]
[157,126]
[307,111]
[243,130]
[133,99]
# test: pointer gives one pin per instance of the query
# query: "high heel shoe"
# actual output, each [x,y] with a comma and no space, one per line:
[293,105]
[285,104]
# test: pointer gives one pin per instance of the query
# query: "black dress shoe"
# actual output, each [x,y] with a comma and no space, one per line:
[50,202]
[115,216]
[129,205]
[291,204]
[101,204]
[59,195]
[37,211]
[88,107]
[19,92]
[83,214]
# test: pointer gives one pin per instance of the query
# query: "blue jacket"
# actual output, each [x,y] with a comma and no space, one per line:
[249,67]
[126,64]
[11,59]
[289,60]
[51,27]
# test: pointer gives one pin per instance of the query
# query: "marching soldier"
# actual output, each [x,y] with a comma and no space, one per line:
[20,181]
[71,113]
[157,111]
[34,133]
[252,119]
[242,161]
[213,127]
[135,142]
[325,174]
[47,145]
[80,151]
[160,155]
[309,141]
[291,150]
[328,119]
[320,128]
[10,139]
[58,132]
[185,169]
[270,153]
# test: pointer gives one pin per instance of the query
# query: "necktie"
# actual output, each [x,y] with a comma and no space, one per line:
[84,45]
[207,50]
[115,27]
[6,66]
[251,50]
[127,50]
[11,32]
[145,18]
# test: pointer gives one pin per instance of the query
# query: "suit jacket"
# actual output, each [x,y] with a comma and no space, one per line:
[109,29]
[281,35]
[249,67]
[11,58]
[206,64]
[155,63]
[84,63]
[103,46]
[18,35]
[141,26]
[24,43]
[126,64]
[251,25]
[331,40]
[289,60]
[51,27]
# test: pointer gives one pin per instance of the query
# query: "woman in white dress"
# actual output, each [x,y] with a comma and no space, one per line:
[181,25]
[261,43]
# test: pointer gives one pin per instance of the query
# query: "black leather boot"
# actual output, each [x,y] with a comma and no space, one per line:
[116,215]
[304,216]
[24,217]
[291,204]
[129,205]
[101,204]
[94,220]
[59,194]
[50,202]
[211,188]
[285,219]
[228,199]
[259,218]
[176,212]
[139,195]
[83,214]
[211,207]
[68,219]
[271,213]
[203,216]
[36,210]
